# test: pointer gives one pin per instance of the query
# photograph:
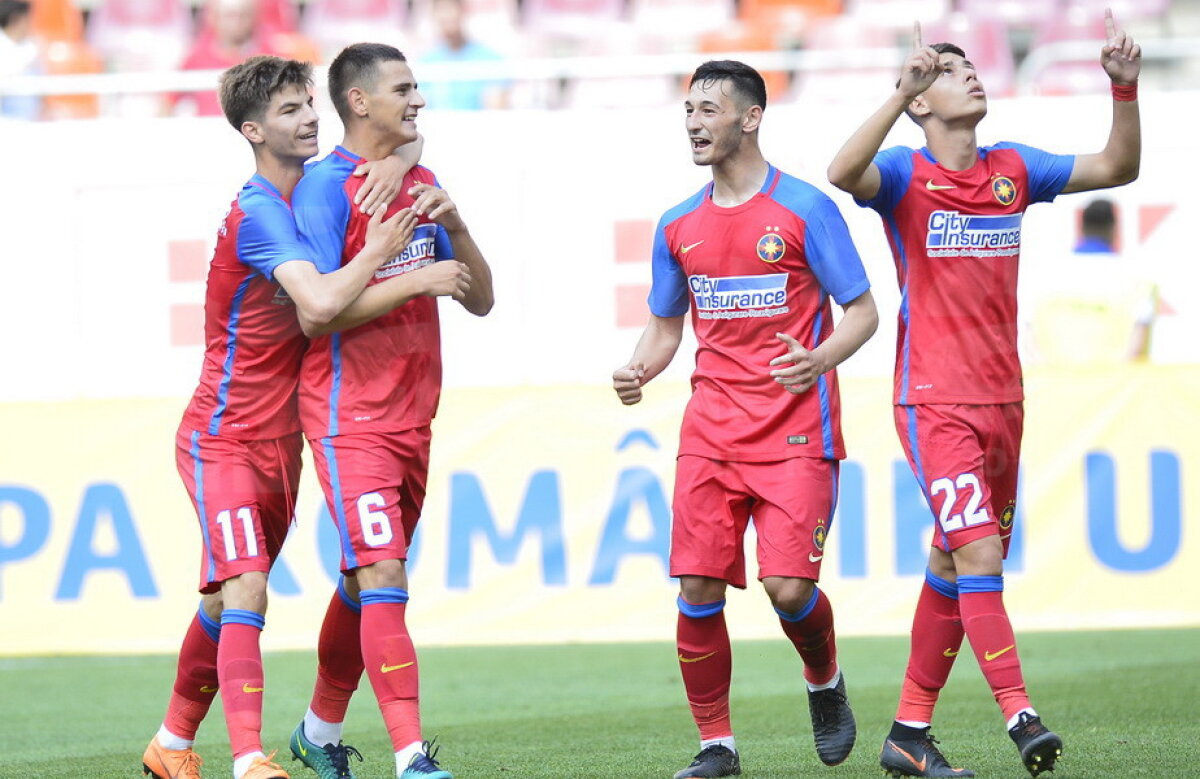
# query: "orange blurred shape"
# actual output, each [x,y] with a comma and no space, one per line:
[59,25]
[756,35]
[769,11]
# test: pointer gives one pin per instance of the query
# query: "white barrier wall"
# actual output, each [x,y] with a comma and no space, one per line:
[549,502]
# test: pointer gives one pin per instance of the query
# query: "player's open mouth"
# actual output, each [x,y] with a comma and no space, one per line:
[700,143]
[309,136]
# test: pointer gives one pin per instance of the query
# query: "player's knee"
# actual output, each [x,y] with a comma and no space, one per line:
[981,557]
[385,573]
[698,590]
[247,591]
[789,594]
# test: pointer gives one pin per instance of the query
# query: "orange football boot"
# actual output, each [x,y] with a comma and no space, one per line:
[163,763]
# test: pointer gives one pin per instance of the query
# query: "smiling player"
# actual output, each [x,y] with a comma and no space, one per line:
[756,255]
[367,398]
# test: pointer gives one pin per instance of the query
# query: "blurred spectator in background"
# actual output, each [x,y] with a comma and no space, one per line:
[231,32]
[18,57]
[1099,228]
[454,45]
[1095,306]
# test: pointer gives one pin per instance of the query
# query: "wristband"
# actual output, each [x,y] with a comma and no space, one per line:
[1124,93]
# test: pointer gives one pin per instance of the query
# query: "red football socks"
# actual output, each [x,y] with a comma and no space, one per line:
[195,680]
[391,662]
[811,632]
[991,635]
[937,635]
[240,669]
[707,666]
[339,660]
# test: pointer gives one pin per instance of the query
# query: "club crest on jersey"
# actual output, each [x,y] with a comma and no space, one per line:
[1006,517]
[421,251]
[771,248]
[819,535]
[953,234]
[1005,190]
[739,297]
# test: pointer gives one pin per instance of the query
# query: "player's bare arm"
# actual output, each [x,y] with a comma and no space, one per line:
[653,353]
[386,176]
[320,297]
[1121,158]
[852,169]
[804,367]
[449,278]
[435,204]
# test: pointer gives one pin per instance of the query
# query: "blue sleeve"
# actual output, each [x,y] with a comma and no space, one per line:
[1048,173]
[831,253]
[669,289]
[443,249]
[322,214]
[895,172]
[267,235]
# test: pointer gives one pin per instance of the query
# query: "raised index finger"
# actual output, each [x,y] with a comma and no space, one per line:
[917,36]
[1110,26]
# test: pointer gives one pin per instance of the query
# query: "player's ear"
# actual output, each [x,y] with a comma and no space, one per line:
[919,109]
[252,131]
[752,118]
[357,99]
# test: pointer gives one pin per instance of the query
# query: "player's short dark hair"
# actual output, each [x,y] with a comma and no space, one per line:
[357,66]
[11,10]
[246,89]
[747,83]
[1099,216]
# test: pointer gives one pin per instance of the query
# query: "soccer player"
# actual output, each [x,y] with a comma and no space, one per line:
[238,445]
[756,255]
[952,213]
[367,398]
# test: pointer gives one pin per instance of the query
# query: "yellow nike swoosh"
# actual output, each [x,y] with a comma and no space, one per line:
[387,669]
[208,689]
[935,187]
[683,659]
[685,249]
[989,656]
[949,653]
[247,688]
[300,745]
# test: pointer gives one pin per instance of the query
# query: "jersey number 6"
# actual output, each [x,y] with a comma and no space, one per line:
[376,527]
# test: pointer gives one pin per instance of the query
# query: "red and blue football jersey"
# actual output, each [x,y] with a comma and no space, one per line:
[956,240]
[253,342]
[385,375]
[767,266]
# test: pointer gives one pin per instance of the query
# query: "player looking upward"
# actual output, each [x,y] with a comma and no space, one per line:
[952,213]
[756,255]
[238,445]
[367,398]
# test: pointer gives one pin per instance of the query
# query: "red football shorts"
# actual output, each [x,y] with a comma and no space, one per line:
[965,459]
[245,496]
[791,501]
[375,486]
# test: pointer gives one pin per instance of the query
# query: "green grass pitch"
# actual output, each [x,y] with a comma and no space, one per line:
[1127,703]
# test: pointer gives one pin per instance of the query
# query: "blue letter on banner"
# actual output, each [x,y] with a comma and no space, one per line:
[129,557]
[1166,516]
[541,512]
[633,484]
[35,514]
